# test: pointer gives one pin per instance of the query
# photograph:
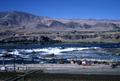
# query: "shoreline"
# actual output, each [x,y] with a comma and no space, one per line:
[63,72]
[98,69]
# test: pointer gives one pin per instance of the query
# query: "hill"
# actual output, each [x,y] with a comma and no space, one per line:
[23,20]
[16,26]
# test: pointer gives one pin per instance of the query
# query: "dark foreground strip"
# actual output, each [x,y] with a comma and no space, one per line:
[40,76]
[17,78]
[70,77]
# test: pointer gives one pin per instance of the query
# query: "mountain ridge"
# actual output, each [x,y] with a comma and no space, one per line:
[18,19]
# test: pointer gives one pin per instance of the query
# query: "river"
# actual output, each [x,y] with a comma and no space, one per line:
[65,51]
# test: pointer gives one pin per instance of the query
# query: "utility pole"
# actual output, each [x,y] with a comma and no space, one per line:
[3,61]
[14,62]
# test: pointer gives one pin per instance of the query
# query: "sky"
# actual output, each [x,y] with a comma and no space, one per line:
[84,9]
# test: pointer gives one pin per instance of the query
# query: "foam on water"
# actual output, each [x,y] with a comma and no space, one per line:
[55,50]
[80,52]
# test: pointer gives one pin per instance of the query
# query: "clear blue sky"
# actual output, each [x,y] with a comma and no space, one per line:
[85,9]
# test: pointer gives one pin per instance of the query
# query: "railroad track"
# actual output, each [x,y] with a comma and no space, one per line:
[18,77]
[37,75]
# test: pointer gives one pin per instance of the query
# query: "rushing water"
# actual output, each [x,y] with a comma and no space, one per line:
[66,51]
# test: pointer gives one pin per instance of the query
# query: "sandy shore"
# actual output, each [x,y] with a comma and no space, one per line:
[71,68]
[65,72]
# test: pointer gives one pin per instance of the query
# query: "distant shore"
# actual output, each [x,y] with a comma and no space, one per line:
[27,46]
